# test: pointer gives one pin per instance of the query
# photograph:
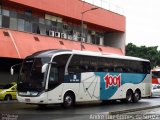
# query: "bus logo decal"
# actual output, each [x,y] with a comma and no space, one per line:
[75,79]
[112,80]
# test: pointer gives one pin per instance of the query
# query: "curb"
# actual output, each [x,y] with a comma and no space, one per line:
[131,110]
[5,102]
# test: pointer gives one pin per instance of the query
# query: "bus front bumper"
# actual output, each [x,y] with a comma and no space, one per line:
[42,99]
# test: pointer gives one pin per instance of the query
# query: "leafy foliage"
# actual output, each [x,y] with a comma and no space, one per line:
[150,53]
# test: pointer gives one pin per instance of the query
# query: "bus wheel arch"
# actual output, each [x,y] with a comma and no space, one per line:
[136,95]
[69,99]
[129,96]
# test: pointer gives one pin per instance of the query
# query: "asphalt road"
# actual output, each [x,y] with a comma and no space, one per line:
[83,111]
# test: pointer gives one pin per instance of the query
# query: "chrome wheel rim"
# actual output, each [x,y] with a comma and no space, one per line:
[68,100]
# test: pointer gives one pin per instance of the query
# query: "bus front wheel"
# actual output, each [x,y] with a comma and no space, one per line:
[68,100]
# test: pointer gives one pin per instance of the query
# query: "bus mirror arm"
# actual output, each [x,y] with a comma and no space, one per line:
[54,63]
[12,68]
[44,67]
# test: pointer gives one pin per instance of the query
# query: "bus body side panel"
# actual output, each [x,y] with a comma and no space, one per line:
[55,95]
[147,85]
[89,89]
[92,86]
[115,85]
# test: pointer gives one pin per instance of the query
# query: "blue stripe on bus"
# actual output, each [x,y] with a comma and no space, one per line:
[110,82]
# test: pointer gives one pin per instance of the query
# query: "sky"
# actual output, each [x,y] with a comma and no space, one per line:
[142,20]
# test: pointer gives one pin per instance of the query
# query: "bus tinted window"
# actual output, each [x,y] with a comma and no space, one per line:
[83,63]
[61,61]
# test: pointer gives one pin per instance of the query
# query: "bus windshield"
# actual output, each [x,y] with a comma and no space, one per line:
[31,78]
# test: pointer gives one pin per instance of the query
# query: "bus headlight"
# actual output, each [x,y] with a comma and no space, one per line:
[34,93]
[28,93]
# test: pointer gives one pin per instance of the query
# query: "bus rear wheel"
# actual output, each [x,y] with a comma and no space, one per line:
[136,96]
[68,100]
[129,96]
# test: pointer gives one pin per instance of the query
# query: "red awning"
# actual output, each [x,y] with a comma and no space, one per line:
[14,44]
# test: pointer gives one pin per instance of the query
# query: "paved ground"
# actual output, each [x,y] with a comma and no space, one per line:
[79,112]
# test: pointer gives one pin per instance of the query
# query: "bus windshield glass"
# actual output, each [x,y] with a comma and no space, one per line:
[31,78]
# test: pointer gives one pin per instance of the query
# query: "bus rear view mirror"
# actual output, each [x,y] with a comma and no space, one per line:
[44,68]
[12,68]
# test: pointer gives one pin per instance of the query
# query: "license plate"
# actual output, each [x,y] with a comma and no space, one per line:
[27,100]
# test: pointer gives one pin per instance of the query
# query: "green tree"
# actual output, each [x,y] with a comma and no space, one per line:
[150,53]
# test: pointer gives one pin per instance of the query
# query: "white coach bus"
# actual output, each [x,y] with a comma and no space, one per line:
[69,76]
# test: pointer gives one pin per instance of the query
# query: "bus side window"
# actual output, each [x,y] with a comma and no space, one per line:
[118,69]
[53,77]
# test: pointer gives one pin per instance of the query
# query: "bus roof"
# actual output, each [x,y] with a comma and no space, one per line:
[49,53]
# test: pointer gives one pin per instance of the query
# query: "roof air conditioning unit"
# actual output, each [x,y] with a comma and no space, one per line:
[51,33]
[57,34]
[64,35]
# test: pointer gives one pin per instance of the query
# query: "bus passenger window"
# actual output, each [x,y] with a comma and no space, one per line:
[53,77]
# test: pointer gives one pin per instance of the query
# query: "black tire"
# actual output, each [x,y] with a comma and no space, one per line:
[8,97]
[129,96]
[136,96]
[68,100]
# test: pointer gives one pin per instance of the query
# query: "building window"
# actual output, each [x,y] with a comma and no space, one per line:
[26,22]
[13,14]
[28,26]
[35,28]
[42,28]
[28,12]
[0,9]
[41,20]
[5,21]
[59,27]
[13,23]
[21,24]
[0,20]
[5,12]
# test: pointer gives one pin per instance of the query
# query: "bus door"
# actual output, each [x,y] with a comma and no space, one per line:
[54,91]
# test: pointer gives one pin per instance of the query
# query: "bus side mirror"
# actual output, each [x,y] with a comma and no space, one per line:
[12,71]
[44,68]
